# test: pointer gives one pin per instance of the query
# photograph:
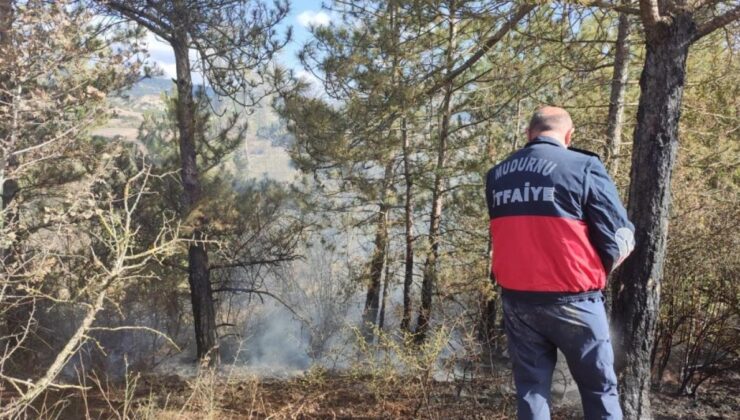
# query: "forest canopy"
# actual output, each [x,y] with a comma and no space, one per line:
[288,213]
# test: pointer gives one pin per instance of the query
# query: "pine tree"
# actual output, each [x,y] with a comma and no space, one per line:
[232,39]
[670,31]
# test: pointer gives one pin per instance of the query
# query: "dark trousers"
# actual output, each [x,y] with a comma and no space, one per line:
[579,328]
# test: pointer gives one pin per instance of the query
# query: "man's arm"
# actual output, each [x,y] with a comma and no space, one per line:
[610,231]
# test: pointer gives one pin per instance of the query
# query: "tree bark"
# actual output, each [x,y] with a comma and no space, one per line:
[384,300]
[372,298]
[637,285]
[204,313]
[408,208]
[615,119]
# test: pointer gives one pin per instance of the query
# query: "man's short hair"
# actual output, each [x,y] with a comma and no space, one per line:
[548,121]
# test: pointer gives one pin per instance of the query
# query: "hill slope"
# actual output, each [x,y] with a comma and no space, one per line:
[261,155]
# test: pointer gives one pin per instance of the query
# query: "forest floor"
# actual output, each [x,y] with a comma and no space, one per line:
[345,396]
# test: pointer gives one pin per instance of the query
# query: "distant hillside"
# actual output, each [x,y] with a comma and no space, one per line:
[263,154]
[150,86]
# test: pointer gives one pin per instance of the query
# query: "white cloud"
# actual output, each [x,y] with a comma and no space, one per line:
[316,87]
[311,18]
[307,76]
[161,54]
[157,46]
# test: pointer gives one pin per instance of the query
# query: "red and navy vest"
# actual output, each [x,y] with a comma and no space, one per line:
[556,221]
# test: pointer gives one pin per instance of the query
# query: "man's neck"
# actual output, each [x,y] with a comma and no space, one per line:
[552,136]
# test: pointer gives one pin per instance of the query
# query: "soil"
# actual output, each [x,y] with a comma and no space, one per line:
[326,395]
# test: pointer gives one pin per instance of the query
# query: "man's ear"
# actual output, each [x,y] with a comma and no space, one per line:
[569,136]
[529,134]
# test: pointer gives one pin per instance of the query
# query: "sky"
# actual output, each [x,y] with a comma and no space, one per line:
[303,14]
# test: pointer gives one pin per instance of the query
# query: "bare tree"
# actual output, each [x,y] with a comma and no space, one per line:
[122,262]
[50,95]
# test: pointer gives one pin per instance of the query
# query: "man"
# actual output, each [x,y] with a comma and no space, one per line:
[557,228]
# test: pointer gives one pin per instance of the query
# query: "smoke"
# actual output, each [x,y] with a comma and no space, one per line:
[311,317]
[274,342]
[310,324]
[306,319]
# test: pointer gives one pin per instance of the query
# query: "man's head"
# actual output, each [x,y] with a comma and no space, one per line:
[552,122]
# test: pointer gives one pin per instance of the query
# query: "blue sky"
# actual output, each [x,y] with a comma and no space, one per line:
[303,14]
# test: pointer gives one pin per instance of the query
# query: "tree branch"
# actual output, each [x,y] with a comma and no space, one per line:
[61,359]
[718,22]
[490,42]
[650,13]
[243,264]
[139,328]
[259,293]
[147,20]
[604,5]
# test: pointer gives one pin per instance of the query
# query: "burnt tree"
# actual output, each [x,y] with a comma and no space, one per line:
[231,39]
[670,30]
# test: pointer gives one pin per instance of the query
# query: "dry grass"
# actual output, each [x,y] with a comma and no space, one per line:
[320,394]
[328,395]
[312,396]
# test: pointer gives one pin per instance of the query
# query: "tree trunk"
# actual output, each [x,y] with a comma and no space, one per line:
[372,299]
[429,278]
[615,119]
[663,336]
[204,314]
[637,284]
[6,20]
[384,300]
[408,276]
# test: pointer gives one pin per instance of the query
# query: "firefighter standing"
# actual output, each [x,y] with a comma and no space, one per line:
[557,228]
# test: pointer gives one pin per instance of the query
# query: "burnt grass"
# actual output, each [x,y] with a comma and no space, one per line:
[346,396]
